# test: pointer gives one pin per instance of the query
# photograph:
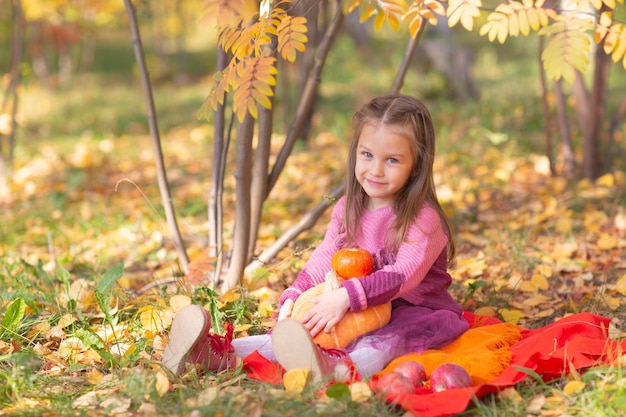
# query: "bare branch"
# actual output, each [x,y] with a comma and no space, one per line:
[156,140]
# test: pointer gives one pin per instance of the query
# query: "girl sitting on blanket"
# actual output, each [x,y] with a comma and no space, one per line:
[391,210]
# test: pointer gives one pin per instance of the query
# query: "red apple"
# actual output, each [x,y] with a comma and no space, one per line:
[448,376]
[394,383]
[413,371]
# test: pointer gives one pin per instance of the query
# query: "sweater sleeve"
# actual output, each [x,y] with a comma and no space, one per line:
[425,244]
[318,265]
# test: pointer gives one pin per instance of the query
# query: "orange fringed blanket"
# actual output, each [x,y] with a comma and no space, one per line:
[483,351]
[576,342]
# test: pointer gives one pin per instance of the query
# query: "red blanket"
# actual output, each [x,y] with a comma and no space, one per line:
[576,342]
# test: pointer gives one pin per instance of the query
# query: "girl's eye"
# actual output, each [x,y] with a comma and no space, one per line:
[366,154]
[393,160]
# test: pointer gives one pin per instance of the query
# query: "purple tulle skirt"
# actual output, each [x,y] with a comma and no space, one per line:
[413,329]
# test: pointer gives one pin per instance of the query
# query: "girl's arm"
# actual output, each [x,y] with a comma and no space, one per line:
[424,247]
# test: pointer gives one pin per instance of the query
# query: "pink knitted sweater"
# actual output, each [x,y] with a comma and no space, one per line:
[417,275]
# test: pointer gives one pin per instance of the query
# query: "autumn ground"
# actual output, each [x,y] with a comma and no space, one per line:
[82,337]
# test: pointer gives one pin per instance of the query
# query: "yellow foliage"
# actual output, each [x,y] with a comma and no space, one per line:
[463,11]
[295,380]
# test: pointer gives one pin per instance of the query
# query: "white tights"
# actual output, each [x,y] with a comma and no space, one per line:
[367,359]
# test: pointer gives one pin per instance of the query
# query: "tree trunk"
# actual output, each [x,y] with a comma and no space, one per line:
[243,177]
[156,140]
[12,98]
[617,118]
[593,165]
[260,173]
[547,120]
[591,109]
[569,161]
[220,151]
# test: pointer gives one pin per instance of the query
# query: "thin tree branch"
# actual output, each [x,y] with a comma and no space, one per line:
[306,222]
[408,57]
[156,140]
[307,99]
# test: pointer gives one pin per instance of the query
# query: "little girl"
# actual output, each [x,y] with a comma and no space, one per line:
[391,210]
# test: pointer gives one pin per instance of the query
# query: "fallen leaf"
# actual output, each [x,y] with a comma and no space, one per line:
[88,400]
[487,311]
[573,387]
[162,384]
[179,301]
[295,380]
[155,319]
[540,282]
[511,316]
[360,392]
[510,394]
[536,403]
[607,241]
[620,285]
[116,405]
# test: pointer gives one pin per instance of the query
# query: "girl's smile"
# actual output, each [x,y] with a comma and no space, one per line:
[384,163]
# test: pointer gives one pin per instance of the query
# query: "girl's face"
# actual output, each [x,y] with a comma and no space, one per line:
[384,163]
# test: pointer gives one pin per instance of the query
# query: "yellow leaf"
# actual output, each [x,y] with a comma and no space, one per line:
[162,384]
[231,295]
[540,282]
[154,319]
[527,286]
[66,320]
[486,311]
[573,387]
[94,376]
[613,302]
[511,316]
[177,302]
[544,270]
[510,394]
[607,241]
[295,380]
[265,308]
[564,224]
[242,327]
[620,285]
[360,392]
[536,300]
[607,180]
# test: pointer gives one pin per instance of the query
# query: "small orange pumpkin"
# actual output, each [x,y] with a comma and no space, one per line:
[352,263]
[353,324]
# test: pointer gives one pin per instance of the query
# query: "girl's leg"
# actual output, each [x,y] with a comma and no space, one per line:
[246,345]
[371,354]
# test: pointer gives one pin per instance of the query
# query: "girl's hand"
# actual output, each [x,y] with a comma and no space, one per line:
[329,309]
[285,309]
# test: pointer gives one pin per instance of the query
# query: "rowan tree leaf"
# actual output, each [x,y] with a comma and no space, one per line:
[421,11]
[515,18]
[291,36]
[250,89]
[463,11]
[567,52]
[389,11]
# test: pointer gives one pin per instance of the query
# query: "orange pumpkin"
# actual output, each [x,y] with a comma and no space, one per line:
[353,324]
[352,263]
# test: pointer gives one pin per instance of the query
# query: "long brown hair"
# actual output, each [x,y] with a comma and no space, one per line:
[411,117]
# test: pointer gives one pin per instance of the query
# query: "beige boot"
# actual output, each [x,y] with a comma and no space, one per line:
[192,342]
[295,349]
